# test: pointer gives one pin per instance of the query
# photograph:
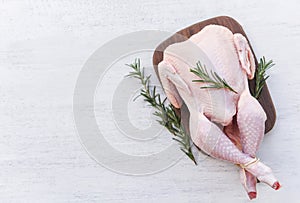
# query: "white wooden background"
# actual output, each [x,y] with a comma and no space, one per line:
[43,46]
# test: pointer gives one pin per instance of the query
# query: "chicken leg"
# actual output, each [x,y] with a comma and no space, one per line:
[205,134]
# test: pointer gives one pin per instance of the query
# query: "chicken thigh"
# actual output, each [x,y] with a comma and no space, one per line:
[230,56]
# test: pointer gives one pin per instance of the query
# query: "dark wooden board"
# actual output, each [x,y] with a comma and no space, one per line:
[265,99]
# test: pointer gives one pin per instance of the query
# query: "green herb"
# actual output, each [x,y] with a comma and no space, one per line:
[213,78]
[260,75]
[165,112]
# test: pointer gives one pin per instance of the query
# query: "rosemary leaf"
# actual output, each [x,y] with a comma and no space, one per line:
[260,75]
[213,78]
[166,113]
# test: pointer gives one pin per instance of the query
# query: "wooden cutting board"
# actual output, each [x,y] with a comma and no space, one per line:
[265,99]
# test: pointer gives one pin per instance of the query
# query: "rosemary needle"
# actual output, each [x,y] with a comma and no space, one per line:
[217,82]
[165,112]
[213,78]
[260,75]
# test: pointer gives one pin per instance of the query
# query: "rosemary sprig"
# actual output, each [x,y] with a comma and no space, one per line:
[213,78]
[165,112]
[260,75]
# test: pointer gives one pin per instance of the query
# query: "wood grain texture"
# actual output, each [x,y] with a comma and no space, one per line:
[182,35]
[43,46]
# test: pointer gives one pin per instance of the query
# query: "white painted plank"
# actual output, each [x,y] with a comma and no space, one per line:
[44,45]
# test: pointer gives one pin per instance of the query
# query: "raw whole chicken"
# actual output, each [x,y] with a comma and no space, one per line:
[230,56]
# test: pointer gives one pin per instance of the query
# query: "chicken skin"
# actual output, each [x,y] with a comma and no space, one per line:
[213,111]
